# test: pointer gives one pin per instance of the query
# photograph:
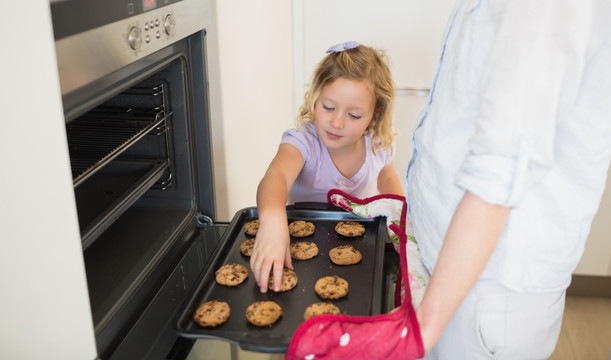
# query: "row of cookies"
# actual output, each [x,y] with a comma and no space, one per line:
[215,312]
[300,250]
[302,228]
[260,313]
[303,250]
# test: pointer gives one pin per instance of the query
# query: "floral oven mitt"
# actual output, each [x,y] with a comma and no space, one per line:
[388,336]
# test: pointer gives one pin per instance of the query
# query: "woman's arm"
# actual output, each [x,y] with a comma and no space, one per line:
[388,181]
[471,238]
[271,250]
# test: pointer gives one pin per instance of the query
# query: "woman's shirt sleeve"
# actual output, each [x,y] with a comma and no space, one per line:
[531,75]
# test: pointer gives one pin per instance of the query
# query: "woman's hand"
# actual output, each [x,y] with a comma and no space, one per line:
[271,251]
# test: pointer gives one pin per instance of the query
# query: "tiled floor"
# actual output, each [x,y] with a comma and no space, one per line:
[585,335]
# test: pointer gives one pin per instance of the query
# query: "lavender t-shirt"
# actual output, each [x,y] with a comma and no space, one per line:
[319,174]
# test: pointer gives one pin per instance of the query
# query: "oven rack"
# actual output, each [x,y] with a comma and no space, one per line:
[96,141]
[115,189]
[99,137]
[110,172]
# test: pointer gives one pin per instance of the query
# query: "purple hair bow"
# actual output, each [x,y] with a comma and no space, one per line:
[342,46]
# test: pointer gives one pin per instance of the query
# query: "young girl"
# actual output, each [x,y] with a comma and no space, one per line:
[344,141]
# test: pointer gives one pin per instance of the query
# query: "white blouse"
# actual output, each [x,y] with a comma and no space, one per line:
[520,115]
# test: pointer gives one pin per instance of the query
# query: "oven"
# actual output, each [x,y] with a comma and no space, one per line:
[135,97]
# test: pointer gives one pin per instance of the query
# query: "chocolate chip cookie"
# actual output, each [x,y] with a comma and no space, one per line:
[345,255]
[252,227]
[231,274]
[263,313]
[289,280]
[331,287]
[350,228]
[319,309]
[303,250]
[212,313]
[246,247]
[300,228]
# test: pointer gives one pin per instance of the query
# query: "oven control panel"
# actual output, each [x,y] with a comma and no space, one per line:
[151,31]
[76,16]
[98,50]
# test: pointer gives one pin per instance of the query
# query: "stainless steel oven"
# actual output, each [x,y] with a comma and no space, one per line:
[135,97]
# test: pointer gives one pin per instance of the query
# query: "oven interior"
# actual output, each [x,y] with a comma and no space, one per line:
[141,160]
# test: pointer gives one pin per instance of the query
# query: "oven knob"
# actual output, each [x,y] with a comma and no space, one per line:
[134,38]
[169,24]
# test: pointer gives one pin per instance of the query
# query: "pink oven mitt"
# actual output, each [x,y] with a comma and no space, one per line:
[388,336]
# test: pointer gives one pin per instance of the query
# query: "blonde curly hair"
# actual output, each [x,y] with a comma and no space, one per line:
[361,63]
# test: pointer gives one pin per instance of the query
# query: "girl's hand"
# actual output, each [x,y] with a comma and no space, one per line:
[271,252]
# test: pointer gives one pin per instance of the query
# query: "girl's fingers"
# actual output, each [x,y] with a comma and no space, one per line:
[264,274]
[260,270]
[278,275]
[288,262]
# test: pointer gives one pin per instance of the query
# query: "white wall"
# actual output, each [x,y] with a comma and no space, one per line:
[596,259]
[410,31]
[253,72]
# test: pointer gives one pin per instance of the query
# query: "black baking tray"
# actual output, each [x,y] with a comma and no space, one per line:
[365,279]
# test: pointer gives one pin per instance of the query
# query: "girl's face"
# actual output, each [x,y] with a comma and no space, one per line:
[343,112]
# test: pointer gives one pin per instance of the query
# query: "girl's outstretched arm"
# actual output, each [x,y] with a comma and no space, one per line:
[271,250]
